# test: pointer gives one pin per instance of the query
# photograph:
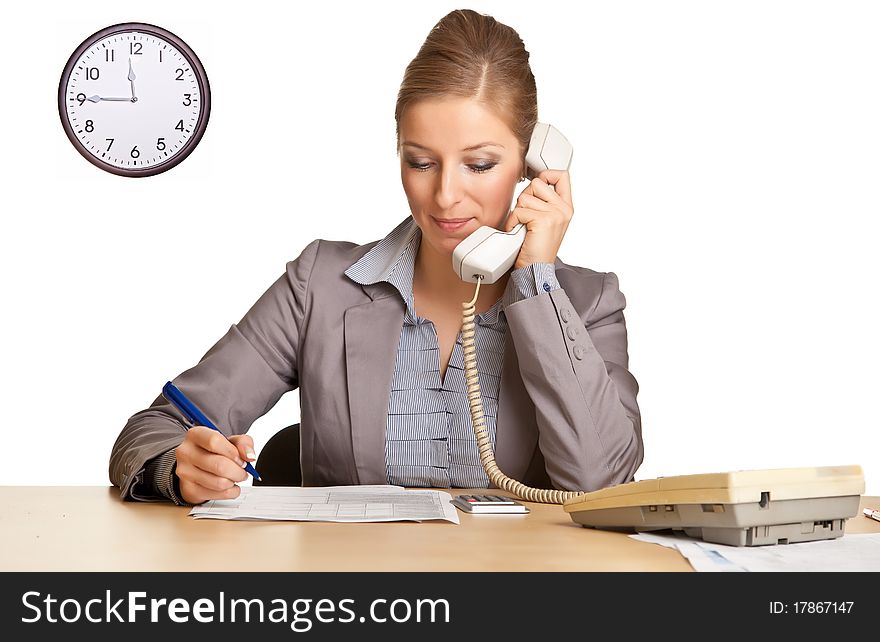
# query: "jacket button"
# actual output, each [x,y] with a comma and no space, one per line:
[578,351]
[565,313]
[572,332]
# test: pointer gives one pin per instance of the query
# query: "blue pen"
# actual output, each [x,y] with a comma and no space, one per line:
[195,416]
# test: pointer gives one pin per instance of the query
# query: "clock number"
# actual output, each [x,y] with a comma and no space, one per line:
[90,126]
[160,144]
[134,48]
[178,126]
[179,74]
[109,55]
[92,73]
[81,98]
[134,152]
[111,143]
[187,100]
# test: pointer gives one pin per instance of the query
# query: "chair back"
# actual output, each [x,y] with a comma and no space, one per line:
[278,462]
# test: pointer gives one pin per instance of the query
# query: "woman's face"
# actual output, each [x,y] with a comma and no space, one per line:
[458,161]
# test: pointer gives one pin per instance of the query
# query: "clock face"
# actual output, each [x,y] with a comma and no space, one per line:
[134,99]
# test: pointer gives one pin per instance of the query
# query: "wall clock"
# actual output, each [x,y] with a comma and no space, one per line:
[134,99]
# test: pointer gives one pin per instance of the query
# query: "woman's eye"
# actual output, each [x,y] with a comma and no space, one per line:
[477,169]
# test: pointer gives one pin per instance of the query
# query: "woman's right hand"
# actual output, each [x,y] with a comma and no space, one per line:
[209,464]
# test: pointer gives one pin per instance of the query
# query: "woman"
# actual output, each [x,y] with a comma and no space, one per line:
[369,333]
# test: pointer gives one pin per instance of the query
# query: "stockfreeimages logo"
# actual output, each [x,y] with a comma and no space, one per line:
[300,614]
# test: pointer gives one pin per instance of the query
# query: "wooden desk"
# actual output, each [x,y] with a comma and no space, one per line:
[84,528]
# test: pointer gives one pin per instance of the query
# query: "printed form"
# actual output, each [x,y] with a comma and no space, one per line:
[376,503]
[852,552]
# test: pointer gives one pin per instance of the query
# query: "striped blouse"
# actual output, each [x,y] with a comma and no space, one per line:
[429,435]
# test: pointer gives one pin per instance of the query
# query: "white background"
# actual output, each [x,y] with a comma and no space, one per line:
[726,169]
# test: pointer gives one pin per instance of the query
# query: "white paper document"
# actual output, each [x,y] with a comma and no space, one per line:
[331,504]
[856,552]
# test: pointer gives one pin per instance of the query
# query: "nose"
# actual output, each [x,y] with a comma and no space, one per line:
[449,188]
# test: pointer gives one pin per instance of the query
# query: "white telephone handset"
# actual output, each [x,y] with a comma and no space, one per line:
[488,253]
[483,257]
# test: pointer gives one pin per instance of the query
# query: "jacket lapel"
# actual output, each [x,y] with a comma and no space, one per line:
[372,338]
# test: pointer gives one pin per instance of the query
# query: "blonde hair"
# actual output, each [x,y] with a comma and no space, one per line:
[471,55]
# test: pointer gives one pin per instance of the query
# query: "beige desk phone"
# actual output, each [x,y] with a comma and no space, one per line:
[742,508]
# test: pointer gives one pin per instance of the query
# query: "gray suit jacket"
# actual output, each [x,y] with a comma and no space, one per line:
[567,413]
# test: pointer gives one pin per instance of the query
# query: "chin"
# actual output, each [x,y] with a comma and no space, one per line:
[441,244]
[446,245]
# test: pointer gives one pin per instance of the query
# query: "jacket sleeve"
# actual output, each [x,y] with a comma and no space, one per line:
[237,381]
[575,371]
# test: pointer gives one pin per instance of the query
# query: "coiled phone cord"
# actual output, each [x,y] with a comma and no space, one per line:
[475,399]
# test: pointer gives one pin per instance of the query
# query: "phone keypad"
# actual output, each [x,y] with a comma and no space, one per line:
[487,499]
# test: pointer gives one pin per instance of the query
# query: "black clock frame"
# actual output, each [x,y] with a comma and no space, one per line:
[201,78]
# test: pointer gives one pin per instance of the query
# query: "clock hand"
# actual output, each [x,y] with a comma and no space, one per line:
[131,78]
[95,99]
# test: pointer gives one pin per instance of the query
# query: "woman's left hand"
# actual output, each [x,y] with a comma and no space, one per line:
[546,213]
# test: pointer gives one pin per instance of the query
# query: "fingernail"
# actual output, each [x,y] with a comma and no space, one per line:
[239,462]
[250,454]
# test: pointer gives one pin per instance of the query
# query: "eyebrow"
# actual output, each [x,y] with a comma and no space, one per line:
[466,149]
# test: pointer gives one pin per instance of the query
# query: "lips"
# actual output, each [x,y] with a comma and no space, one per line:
[450,224]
